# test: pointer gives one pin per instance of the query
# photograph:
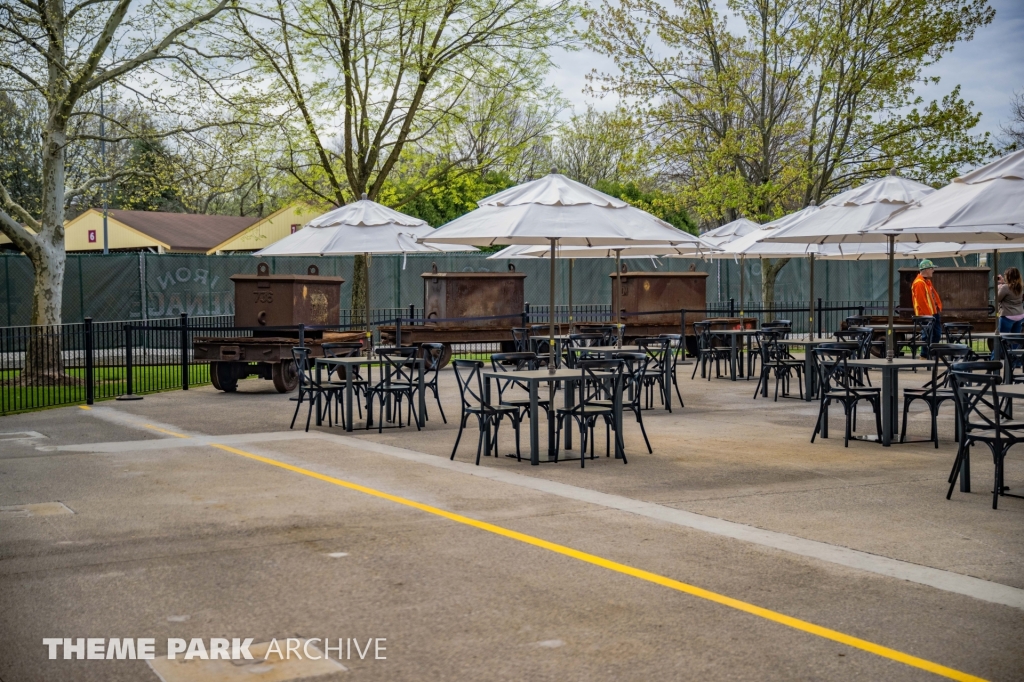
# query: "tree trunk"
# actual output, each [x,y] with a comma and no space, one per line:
[769,272]
[44,364]
[359,284]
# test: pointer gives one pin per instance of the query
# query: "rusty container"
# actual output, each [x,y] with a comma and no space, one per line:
[647,291]
[964,293]
[265,300]
[473,294]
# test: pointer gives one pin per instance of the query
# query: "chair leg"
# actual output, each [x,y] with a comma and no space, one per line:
[934,408]
[640,420]
[462,425]
[298,404]
[439,408]
[876,405]
[822,415]
[480,439]
[906,410]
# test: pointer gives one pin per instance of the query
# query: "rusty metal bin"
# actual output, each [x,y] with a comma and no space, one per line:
[265,300]
[648,291]
[473,294]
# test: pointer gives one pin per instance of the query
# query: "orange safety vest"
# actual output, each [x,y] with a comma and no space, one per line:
[926,298]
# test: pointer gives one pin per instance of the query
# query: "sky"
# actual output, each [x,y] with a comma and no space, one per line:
[989,69]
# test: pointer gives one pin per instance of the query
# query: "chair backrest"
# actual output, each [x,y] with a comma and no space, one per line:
[521,339]
[596,376]
[398,365]
[657,350]
[944,356]
[634,370]
[768,345]
[977,398]
[859,336]
[922,326]
[573,355]
[470,381]
[857,321]
[833,372]
[587,340]
[704,339]
[303,366]
[500,362]
[544,330]
[958,332]
[675,343]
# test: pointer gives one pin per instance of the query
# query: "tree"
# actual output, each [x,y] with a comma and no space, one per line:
[389,77]
[659,203]
[1014,130]
[596,146]
[808,98]
[51,51]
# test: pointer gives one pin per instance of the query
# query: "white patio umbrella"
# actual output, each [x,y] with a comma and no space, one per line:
[985,206]
[847,215]
[362,227]
[721,236]
[556,211]
[688,250]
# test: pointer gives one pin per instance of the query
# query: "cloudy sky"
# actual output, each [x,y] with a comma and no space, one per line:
[989,68]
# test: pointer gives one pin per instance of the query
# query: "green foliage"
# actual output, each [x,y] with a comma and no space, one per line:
[150,184]
[20,170]
[668,207]
[454,195]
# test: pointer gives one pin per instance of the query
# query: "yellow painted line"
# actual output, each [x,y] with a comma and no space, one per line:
[169,433]
[84,407]
[774,616]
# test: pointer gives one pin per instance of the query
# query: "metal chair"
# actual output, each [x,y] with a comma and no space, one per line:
[659,354]
[500,362]
[937,390]
[958,332]
[837,384]
[521,339]
[310,389]
[432,354]
[336,376]
[776,359]
[982,421]
[709,349]
[633,377]
[677,348]
[471,391]
[599,378]
[398,381]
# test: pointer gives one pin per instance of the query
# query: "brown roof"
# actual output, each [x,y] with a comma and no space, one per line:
[184,231]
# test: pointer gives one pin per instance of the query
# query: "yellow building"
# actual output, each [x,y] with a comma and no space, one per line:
[274,227]
[180,232]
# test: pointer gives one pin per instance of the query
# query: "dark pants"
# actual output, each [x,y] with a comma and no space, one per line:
[932,333]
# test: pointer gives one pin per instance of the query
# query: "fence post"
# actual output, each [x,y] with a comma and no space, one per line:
[128,380]
[184,351]
[398,331]
[302,335]
[526,314]
[732,307]
[412,312]
[819,317]
[89,395]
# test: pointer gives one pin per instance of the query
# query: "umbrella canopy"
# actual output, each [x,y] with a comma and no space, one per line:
[985,205]
[360,227]
[844,217]
[555,207]
[753,243]
[730,231]
[688,250]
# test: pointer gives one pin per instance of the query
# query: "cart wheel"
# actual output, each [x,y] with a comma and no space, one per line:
[446,356]
[286,379]
[224,376]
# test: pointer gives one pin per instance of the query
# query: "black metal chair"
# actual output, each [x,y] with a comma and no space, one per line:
[310,389]
[857,321]
[500,362]
[979,409]
[471,391]
[432,354]
[659,355]
[336,375]
[921,335]
[581,341]
[776,359]
[937,390]
[958,332]
[599,379]
[677,350]
[837,384]
[778,323]
[1013,348]
[521,339]
[398,382]
[709,349]
[635,368]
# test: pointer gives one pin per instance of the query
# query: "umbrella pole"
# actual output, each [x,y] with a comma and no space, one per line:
[742,287]
[571,261]
[810,304]
[551,319]
[995,276]
[618,308]
[890,350]
[366,304]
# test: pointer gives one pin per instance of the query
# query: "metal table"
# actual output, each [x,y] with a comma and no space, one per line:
[533,378]
[361,361]
[890,388]
[810,371]
[666,369]
[1011,391]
